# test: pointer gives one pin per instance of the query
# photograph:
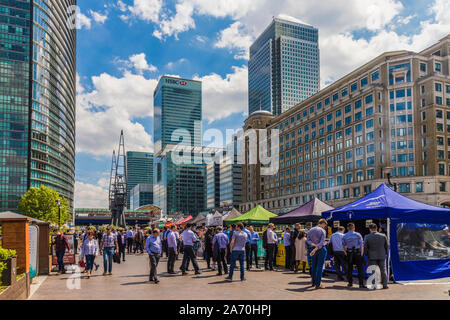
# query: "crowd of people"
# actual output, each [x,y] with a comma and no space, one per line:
[222,247]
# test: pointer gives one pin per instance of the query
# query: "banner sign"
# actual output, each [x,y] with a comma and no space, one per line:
[33,232]
[69,258]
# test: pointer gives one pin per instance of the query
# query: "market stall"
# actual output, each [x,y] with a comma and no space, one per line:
[183,221]
[234,213]
[309,212]
[418,233]
[199,220]
[214,220]
[257,216]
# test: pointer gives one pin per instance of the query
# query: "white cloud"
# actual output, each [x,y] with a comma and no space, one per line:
[201,39]
[90,196]
[121,6]
[82,21]
[224,96]
[140,63]
[172,65]
[406,20]
[182,21]
[98,17]
[235,38]
[147,10]
[112,106]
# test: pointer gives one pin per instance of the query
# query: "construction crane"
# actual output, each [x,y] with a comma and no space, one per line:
[118,185]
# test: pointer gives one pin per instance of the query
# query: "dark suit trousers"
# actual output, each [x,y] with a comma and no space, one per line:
[339,262]
[171,261]
[248,255]
[122,252]
[270,254]
[221,261]
[189,255]
[381,263]
[288,257]
[254,251]
[154,260]
[130,245]
[355,258]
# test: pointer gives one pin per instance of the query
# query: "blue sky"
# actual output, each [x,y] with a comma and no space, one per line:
[123,47]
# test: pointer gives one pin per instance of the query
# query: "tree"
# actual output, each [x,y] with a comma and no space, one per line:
[41,203]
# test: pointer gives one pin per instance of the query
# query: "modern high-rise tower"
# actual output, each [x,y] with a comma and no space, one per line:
[284,66]
[177,105]
[178,187]
[37,98]
[139,171]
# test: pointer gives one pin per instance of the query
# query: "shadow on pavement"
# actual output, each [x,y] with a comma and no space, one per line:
[305,289]
[220,282]
[205,277]
[136,283]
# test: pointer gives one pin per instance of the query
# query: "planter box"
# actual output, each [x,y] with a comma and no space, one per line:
[8,275]
[20,290]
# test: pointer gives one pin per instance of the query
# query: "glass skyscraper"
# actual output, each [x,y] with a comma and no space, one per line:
[177,105]
[139,171]
[37,98]
[141,195]
[178,188]
[284,66]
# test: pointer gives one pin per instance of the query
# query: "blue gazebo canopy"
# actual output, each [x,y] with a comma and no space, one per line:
[385,203]
[403,213]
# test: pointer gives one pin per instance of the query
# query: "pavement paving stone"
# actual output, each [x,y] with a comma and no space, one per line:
[130,282]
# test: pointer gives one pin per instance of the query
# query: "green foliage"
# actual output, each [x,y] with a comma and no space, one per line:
[6,253]
[40,203]
[2,267]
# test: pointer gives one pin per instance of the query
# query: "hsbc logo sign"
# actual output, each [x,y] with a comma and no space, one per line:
[177,82]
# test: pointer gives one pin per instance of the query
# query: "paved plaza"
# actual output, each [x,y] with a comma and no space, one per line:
[130,282]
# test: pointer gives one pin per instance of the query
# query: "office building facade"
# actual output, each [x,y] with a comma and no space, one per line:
[213,180]
[139,171]
[179,186]
[391,115]
[177,106]
[141,195]
[284,66]
[224,179]
[37,99]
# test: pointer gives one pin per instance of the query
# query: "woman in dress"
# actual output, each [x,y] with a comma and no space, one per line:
[300,250]
[89,249]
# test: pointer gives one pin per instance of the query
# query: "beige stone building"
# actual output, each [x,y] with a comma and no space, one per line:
[390,116]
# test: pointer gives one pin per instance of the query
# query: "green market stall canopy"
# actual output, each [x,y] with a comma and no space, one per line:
[258,216]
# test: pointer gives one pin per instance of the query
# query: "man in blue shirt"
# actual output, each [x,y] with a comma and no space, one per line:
[248,257]
[238,251]
[229,233]
[172,247]
[316,239]
[129,235]
[220,240]
[153,246]
[287,247]
[189,238]
[254,238]
[337,250]
[354,248]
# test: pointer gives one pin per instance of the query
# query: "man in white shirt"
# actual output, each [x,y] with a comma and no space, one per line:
[271,245]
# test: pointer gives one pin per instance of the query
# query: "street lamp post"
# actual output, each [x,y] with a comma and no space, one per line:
[388,171]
